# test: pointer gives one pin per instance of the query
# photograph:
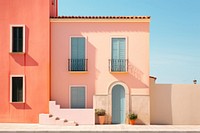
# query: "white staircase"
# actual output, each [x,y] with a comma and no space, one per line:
[68,117]
[48,119]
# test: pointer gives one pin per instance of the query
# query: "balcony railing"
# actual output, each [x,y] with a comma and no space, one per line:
[118,65]
[77,64]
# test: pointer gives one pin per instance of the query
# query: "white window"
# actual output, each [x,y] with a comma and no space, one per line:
[17,88]
[78,97]
[17,38]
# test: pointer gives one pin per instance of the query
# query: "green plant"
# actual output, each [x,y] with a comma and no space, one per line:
[132,116]
[100,112]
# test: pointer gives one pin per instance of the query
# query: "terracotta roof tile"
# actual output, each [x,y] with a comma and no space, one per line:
[102,17]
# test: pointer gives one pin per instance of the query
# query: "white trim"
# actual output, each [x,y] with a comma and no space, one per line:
[24,37]
[71,44]
[23,76]
[85,94]
[118,83]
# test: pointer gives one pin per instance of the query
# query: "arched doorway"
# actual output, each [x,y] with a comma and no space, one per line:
[118,104]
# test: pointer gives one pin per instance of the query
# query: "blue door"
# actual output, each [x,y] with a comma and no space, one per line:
[118,104]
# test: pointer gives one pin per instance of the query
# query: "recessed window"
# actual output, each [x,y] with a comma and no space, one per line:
[78,61]
[77,97]
[17,88]
[17,39]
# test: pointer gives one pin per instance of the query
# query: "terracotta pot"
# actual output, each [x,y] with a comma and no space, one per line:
[132,122]
[102,120]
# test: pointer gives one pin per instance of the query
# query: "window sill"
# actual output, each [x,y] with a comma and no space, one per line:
[17,102]
[118,72]
[77,72]
[17,53]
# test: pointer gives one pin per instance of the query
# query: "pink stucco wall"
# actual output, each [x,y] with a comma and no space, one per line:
[34,64]
[98,78]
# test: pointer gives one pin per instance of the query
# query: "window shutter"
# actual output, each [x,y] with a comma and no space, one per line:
[77,97]
[122,48]
[81,48]
[115,48]
[118,48]
[77,48]
[74,48]
[74,97]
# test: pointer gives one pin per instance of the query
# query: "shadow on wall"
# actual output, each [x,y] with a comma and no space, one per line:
[89,79]
[133,78]
[21,106]
[161,105]
[25,59]
[111,27]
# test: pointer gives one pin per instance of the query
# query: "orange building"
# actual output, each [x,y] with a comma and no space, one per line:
[25,58]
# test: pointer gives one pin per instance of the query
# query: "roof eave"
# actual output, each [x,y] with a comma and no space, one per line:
[100,19]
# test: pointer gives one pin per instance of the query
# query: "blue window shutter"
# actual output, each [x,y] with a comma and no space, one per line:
[73,97]
[118,48]
[115,49]
[81,48]
[122,49]
[78,54]
[77,97]
[77,48]
[118,62]
[74,48]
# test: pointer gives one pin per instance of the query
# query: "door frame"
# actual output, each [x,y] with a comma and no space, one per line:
[126,98]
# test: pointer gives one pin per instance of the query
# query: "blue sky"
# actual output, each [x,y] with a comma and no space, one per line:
[174,32]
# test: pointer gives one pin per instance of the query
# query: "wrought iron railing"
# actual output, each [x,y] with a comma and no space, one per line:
[118,65]
[77,64]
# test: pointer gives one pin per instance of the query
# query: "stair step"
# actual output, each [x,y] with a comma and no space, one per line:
[49,119]
[60,122]
[50,115]
[71,123]
[46,119]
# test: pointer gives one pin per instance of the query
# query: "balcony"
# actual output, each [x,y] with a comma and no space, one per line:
[118,65]
[77,64]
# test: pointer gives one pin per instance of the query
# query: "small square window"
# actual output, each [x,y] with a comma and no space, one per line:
[17,89]
[77,97]
[17,39]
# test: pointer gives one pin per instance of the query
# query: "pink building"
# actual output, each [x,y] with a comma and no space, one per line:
[25,58]
[69,66]
[100,62]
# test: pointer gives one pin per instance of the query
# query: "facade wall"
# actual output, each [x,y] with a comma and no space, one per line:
[34,64]
[98,79]
[98,38]
[175,104]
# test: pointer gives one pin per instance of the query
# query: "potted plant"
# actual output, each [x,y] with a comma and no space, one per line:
[101,114]
[132,118]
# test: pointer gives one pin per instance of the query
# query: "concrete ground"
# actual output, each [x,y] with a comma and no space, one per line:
[33,128]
